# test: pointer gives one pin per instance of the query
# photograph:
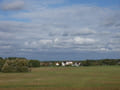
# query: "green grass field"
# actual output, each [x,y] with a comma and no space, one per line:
[63,78]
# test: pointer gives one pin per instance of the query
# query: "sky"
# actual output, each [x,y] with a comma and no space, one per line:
[60,29]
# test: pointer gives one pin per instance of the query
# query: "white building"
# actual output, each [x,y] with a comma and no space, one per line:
[69,63]
[76,64]
[63,64]
[57,64]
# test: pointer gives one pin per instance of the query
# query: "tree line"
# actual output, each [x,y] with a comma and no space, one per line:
[16,64]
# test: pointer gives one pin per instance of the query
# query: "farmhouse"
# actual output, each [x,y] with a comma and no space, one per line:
[57,64]
[63,63]
[70,63]
[76,64]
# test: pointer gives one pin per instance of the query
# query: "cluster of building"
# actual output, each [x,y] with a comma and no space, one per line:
[68,63]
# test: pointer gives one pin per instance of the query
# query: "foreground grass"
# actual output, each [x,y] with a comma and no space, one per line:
[63,78]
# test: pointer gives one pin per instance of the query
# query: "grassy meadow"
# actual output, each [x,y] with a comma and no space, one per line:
[63,78]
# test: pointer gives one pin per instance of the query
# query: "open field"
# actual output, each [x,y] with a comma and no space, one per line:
[63,78]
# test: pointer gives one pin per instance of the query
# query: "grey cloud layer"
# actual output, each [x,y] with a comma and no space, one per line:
[14,5]
[71,28]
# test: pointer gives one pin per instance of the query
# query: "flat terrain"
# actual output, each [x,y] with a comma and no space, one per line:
[63,78]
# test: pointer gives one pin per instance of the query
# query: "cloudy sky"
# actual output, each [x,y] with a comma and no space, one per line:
[60,29]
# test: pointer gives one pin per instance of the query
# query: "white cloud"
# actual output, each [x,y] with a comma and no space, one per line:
[79,40]
[76,27]
[45,41]
[104,49]
[39,43]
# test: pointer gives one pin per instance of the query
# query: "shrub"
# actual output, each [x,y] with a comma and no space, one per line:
[1,64]
[15,66]
[34,63]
